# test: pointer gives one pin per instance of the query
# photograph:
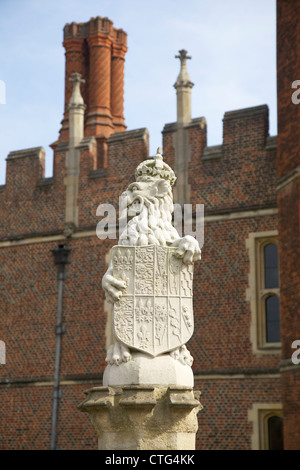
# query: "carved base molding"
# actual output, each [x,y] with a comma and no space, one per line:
[143,417]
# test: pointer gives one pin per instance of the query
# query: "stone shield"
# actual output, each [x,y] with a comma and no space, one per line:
[155,312]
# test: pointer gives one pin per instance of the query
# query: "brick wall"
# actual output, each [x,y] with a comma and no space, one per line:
[221,342]
[288,197]
[223,422]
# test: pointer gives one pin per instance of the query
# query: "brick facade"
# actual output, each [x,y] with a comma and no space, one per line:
[236,181]
[288,197]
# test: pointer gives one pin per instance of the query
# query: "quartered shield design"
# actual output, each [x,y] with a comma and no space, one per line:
[155,312]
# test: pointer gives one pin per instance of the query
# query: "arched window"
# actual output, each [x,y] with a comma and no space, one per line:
[267,426]
[263,292]
[268,294]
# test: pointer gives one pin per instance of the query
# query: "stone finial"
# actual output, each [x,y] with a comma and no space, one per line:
[76,77]
[183,78]
[76,134]
[183,56]
[183,87]
[76,98]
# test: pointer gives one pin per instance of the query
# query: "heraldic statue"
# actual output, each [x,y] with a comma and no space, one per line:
[150,284]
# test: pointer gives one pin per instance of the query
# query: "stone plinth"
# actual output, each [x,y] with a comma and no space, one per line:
[143,417]
[147,370]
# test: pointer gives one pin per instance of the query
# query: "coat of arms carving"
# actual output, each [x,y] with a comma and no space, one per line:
[155,312]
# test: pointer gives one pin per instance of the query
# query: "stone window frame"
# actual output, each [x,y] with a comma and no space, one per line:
[257,295]
[259,415]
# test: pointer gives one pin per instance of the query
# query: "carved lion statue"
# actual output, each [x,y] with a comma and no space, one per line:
[148,208]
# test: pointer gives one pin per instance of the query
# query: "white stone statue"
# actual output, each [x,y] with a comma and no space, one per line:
[149,282]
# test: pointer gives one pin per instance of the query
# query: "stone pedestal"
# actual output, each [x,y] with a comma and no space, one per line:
[147,370]
[143,417]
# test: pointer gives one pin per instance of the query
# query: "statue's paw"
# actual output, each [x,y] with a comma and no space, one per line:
[113,288]
[188,249]
[117,354]
[175,354]
[126,356]
[186,355]
[183,355]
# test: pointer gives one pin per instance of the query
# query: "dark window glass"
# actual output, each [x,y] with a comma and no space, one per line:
[272,319]
[271,266]
[275,433]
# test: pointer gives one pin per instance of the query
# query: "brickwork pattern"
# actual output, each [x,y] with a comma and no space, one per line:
[100,82]
[236,178]
[288,161]
[288,70]
[117,92]
[29,203]
[290,386]
[125,151]
[289,253]
[222,313]
[29,410]
[223,422]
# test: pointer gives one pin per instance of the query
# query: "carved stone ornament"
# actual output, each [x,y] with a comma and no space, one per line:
[155,313]
[69,229]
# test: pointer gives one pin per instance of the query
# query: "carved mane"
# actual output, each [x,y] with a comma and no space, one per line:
[153,226]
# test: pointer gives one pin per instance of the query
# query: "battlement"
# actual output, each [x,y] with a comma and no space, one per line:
[248,125]
[246,112]
[120,37]
[94,26]
[238,173]
[24,169]
[31,152]
[31,203]
[196,122]
[100,25]
[125,136]
[75,30]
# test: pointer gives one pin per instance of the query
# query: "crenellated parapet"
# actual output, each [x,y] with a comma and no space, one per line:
[25,168]
[33,204]
[238,173]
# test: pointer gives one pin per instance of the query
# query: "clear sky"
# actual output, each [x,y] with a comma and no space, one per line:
[233,66]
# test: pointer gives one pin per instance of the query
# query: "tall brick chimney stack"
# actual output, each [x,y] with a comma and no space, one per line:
[96,50]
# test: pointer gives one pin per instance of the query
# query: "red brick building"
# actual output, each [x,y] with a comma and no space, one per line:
[288,201]
[248,185]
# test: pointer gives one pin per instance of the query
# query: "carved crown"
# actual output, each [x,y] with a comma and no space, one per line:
[155,168]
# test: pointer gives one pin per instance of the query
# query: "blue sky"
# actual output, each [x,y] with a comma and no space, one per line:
[233,66]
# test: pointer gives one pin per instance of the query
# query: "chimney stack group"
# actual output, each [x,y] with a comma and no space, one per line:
[96,50]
